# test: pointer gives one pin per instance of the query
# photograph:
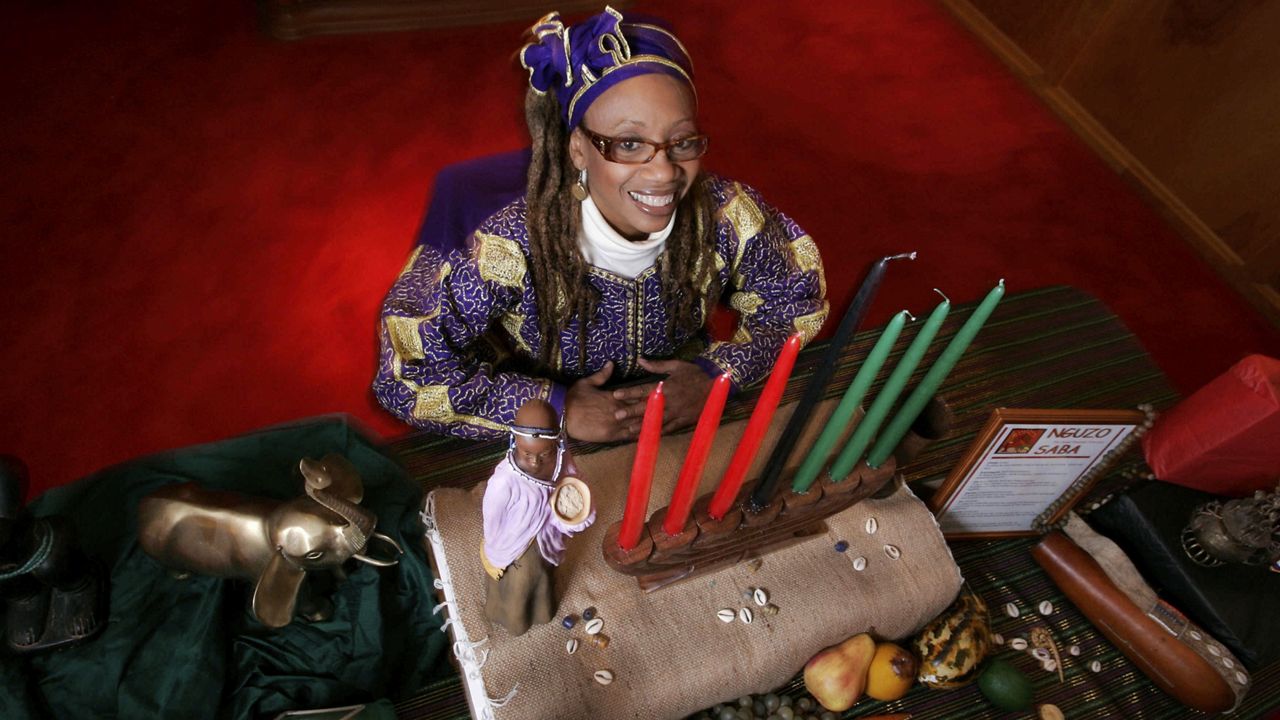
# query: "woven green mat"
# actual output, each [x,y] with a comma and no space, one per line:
[1052,348]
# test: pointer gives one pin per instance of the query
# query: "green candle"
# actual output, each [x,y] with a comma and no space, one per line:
[848,404]
[893,387]
[933,379]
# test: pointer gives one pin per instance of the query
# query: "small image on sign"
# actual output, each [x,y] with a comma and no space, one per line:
[1020,441]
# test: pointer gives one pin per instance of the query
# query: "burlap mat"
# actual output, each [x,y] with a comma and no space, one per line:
[669,653]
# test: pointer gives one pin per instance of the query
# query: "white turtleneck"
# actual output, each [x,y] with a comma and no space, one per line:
[606,248]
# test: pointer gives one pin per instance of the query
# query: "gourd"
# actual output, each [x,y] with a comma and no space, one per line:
[953,645]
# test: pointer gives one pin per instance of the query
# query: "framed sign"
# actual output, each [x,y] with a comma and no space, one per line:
[1027,468]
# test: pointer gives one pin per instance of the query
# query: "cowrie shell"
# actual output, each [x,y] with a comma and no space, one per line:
[892,551]
[604,677]
[726,615]
[1227,663]
[1046,608]
[1040,654]
[1074,650]
[761,597]
[745,615]
[595,626]
[859,563]
[1011,610]
[1214,651]
[1049,665]
[997,638]
[1195,635]
[571,647]
[1095,666]
[1241,677]
[1018,644]
[872,526]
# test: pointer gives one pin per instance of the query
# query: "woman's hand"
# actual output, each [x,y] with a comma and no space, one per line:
[592,414]
[686,389]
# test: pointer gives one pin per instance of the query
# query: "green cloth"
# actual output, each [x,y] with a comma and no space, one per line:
[182,648]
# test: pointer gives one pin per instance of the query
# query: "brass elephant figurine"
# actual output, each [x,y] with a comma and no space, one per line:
[275,544]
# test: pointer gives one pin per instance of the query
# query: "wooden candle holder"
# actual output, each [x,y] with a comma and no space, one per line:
[707,544]
[712,544]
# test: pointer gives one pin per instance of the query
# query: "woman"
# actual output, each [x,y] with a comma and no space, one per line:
[608,267]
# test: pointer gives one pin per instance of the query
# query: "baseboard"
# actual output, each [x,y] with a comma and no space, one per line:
[1198,234]
[297,19]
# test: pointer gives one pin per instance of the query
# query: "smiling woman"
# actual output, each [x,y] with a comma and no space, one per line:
[606,270]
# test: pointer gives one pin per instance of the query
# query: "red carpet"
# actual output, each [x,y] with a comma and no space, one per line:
[199,222]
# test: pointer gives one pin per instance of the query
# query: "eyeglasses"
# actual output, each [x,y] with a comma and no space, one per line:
[635,151]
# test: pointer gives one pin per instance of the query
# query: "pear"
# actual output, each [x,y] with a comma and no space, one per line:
[836,676]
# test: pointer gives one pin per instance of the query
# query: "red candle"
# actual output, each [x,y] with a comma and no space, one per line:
[761,416]
[696,458]
[637,509]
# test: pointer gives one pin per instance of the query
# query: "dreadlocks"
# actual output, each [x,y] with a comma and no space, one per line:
[686,266]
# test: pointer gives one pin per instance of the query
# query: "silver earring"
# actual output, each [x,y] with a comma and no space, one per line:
[579,189]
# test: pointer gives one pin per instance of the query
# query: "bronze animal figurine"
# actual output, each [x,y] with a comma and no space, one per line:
[275,544]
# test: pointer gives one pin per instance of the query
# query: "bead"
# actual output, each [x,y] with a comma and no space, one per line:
[754,564]
[841,546]
[770,609]
[569,621]
[588,613]
[601,641]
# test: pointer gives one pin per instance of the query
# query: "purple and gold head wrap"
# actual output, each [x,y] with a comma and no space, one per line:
[581,62]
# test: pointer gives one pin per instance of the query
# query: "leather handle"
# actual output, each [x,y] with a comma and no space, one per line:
[1169,663]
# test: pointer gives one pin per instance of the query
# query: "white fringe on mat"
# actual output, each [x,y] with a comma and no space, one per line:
[469,654]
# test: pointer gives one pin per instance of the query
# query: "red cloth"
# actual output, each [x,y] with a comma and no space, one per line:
[1224,439]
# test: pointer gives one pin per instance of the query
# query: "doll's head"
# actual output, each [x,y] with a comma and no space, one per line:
[537,441]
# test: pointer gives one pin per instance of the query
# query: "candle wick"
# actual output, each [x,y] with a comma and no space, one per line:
[944,295]
[909,315]
[903,256]
[1001,283]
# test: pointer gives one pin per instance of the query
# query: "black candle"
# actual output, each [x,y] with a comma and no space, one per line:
[764,489]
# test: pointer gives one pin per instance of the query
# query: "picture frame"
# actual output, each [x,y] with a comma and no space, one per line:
[1027,467]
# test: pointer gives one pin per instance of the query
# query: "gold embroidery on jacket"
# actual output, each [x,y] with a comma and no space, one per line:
[746,303]
[805,252]
[500,260]
[745,217]
[513,322]
[809,325]
[405,339]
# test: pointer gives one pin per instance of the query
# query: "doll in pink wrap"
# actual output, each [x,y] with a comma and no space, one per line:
[533,503]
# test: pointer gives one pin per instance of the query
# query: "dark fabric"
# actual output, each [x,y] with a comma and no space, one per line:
[191,648]
[1235,603]
[523,597]
[465,194]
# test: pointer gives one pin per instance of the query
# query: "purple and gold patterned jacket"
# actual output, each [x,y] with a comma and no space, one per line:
[459,331]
